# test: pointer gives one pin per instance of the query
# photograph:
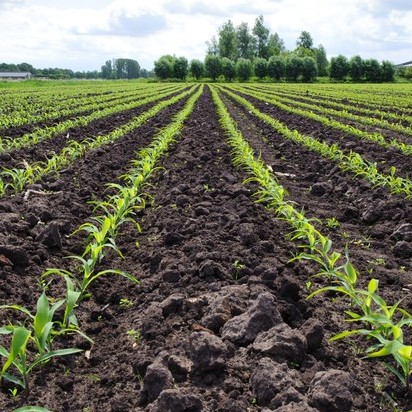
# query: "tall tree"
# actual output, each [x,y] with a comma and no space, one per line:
[275,45]
[372,70]
[293,67]
[107,70]
[339,67]
[163,67]
[212,47]
[321,60]
[197,69]
[228,69]
[126,69]
[305,40]
[243,69]
[213,66]
[245,41]
[276,67]
[180,68]
[228,41]
[356,68]
[261,67]
[261,34]
[387,71]
[309,69]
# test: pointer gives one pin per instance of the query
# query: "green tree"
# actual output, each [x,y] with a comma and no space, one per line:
[321,60]
[197,69]
[275,45]
[107,70]
[387,71]
[372,70]
[261,34]
[356,68]
[261,67]
[293,67]
[276,67]
[405,72]
[228,41]
[305,40]
[228,69]
[339,67]
[26,67]
[245,41]
[309,69]
[180,68]
[243,69]
[163,67]
[213,66]
[212,46]
[126,69]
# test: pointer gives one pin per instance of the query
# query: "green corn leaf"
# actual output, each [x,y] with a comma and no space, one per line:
[390,348]
[14,379]
[18,345]
[4,352]
[31,409]
[353,315]
[6,330]
[105,228]
[17,307]
[396,372]
[351,272]
[373,285]
[406,352]
[52,354]
[344,334]
[42,315]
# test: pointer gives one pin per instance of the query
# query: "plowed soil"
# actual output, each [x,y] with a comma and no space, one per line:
[220,319]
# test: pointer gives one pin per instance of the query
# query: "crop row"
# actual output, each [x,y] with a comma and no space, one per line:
[44,326]
[347,110]
[394,97]
[326,120]
[382,324]
[33,114]
[351,162]
[38,135]
[18,178]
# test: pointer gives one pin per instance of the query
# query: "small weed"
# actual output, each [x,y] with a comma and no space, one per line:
[135,335]
[377,261]
[237,266]
[125,303]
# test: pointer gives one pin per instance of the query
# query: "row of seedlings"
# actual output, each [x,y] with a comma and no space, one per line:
[42,328]
[379,321]
[17,178]
[344,109]
[351,162]
[374,137]
[99,111]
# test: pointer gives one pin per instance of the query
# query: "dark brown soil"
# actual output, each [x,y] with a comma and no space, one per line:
[220,320]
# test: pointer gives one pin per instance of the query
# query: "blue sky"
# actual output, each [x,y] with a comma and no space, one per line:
[83,34]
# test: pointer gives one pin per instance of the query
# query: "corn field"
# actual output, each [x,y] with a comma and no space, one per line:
[205,247]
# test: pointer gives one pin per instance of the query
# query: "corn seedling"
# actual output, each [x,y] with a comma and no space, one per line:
[41,330]
[87,274]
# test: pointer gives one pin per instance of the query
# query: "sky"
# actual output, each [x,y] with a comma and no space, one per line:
[83,34]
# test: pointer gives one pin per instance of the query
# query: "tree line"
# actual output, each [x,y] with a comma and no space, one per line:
[112,69]
[240,53]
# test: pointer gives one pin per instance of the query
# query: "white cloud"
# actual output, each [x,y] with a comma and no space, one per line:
[83,34]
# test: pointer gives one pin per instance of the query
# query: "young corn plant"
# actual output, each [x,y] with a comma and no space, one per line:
[39,330]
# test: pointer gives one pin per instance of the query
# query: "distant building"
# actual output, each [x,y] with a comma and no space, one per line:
[15,75]
[405,64]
